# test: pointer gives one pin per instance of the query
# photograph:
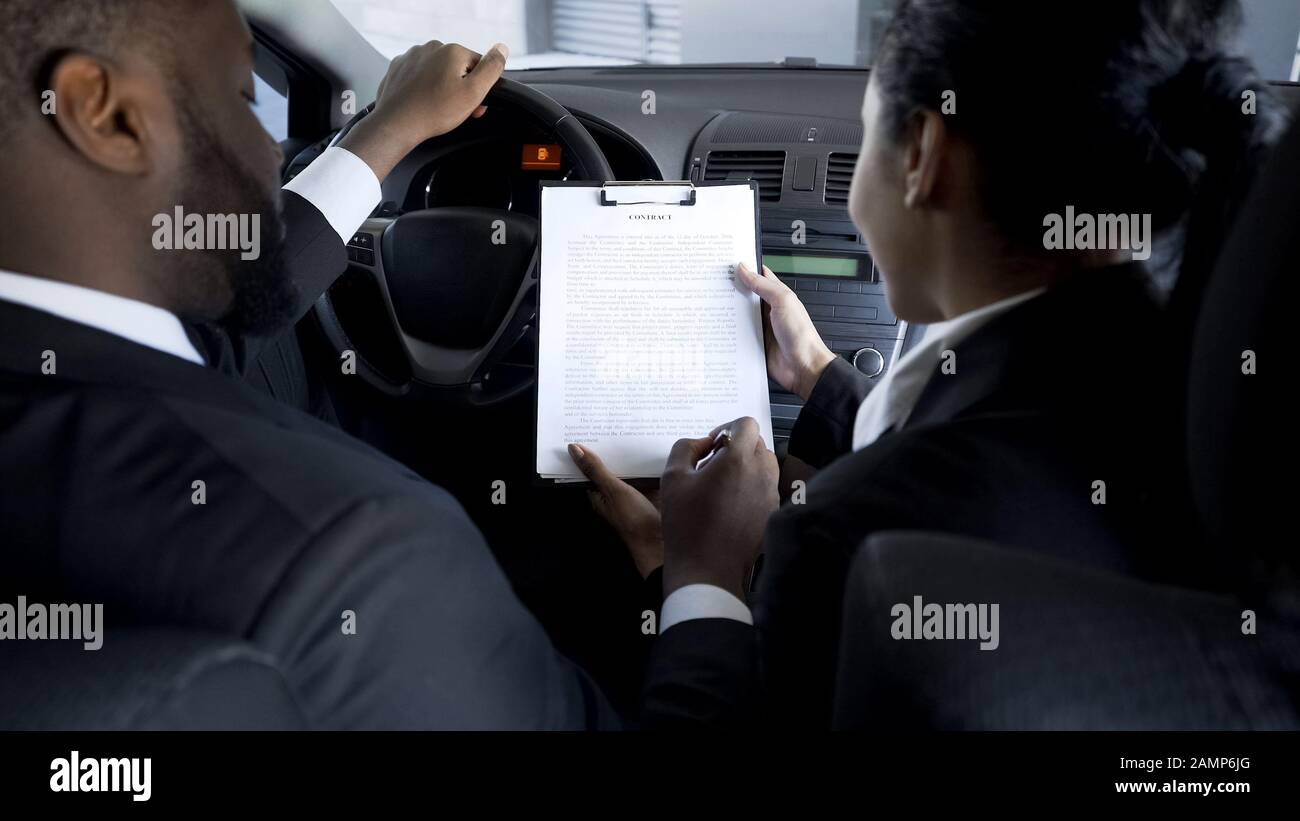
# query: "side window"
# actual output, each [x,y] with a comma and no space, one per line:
[1295,65]
[272,110]
[1269,39]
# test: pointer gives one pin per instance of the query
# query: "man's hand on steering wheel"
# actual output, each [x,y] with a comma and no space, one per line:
[421,254]
[428,91]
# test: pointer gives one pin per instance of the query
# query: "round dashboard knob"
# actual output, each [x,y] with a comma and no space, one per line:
[869,361]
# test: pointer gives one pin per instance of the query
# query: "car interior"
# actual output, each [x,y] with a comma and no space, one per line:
[444,335]
[454,351]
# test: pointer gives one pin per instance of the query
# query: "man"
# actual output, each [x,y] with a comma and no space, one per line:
[137,471]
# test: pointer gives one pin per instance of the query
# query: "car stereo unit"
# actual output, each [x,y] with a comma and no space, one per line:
[835,278]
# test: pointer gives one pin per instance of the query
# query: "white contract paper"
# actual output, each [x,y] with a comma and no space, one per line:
[645,334]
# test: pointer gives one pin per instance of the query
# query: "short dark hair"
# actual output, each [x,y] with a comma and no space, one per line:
[36,33]
[1124,107]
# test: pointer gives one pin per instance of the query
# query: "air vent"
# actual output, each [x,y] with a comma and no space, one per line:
[767,168]
[839,173]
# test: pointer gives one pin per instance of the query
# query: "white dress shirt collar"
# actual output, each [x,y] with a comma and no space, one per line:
[139,322]
[891,401]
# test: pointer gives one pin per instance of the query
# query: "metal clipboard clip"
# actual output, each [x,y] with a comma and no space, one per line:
[605,199]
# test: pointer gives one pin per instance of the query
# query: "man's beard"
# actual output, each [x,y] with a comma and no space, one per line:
[245,297]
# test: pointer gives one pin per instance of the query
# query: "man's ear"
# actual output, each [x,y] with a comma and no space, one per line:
[101,114]
[927,142]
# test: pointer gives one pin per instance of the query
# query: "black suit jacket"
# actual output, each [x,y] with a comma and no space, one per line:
[1058,393]
[301,527]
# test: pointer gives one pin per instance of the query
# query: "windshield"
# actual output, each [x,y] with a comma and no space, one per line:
[571,33]
[563,33]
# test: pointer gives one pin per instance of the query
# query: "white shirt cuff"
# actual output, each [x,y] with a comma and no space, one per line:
[342,187]
[701,601]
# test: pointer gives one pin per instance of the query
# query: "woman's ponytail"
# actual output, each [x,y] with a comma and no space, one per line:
[1216,118]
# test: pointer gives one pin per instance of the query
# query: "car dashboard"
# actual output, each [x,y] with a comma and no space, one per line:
[795,132]
[488,170]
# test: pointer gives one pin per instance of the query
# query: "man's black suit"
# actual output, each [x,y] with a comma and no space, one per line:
[1056,394]
[300,525]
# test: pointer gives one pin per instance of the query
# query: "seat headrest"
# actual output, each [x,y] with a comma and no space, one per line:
[1241,428]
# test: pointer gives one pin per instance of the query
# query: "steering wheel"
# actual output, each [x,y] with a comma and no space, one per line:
[457,281]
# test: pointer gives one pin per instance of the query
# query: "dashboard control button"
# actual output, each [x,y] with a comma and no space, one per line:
[869,361]
[805,173]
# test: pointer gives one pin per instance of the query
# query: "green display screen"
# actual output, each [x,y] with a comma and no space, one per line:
[811,266]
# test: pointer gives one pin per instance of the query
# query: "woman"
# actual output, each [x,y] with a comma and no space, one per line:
[1035,412]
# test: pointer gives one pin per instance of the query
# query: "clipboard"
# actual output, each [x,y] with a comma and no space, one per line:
[612,187]
[613,194]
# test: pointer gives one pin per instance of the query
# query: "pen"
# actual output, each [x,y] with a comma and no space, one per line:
[722,440]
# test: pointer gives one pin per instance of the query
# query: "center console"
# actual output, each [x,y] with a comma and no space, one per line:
[803,167]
